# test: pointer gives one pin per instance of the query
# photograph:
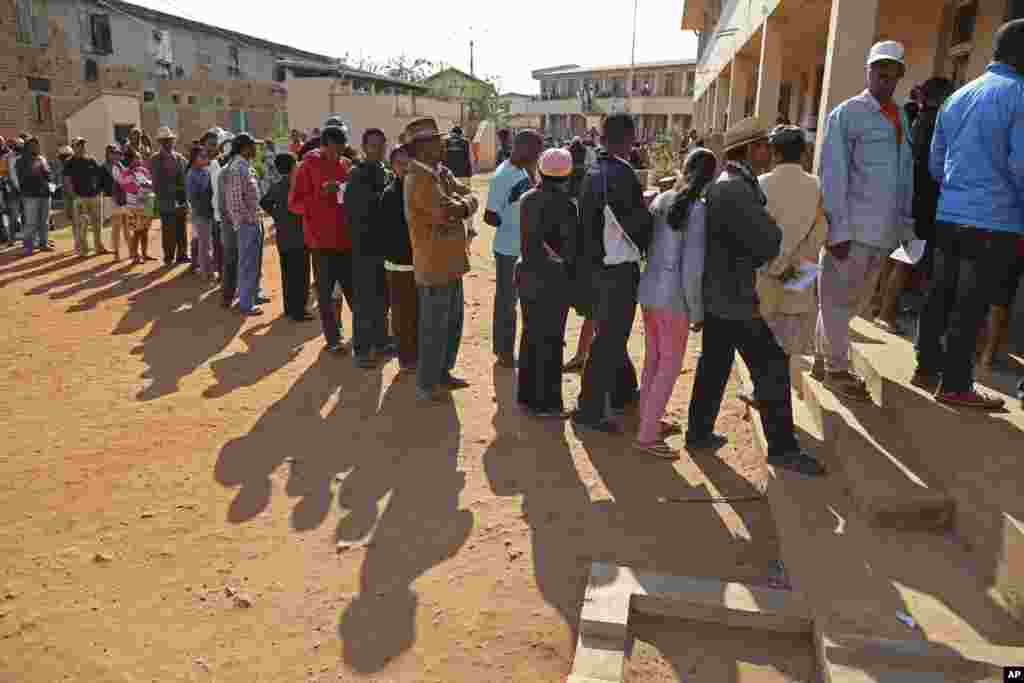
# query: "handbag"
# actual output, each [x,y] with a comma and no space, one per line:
[619,248]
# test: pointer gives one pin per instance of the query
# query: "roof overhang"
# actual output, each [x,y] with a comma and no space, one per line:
[693,15]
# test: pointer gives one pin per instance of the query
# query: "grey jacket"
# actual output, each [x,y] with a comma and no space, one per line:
[672,279]
[867,175]
[741,237]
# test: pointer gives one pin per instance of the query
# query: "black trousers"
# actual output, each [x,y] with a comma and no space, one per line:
[970,267]
[370,305]
[610,377]
[539,385]
[769,369]
[333,266]
[172,233]
[294,281]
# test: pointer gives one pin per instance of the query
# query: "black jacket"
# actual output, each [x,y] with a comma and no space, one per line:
[549,217]
[394,228]
[287,225]
[626,198]
[365,186]
[33,184]
[457,157]
[741,237]
[926,188]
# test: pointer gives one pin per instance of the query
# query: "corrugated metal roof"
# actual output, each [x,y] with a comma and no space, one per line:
[616,67]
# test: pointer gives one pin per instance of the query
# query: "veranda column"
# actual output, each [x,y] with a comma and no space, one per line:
[851,32]
[769,81]
[739,85]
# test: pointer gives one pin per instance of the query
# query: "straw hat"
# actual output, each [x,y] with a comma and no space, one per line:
[165,133]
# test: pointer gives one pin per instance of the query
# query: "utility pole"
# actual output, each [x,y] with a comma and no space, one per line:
[471,71]
[632,62]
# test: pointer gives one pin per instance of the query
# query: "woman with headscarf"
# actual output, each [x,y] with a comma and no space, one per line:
[135,182]
[549,223]
[670,295]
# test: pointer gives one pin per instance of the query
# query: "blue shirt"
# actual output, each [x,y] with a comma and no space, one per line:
[978,152]
[507,187]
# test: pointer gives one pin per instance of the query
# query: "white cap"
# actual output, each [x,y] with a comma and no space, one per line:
[887,50]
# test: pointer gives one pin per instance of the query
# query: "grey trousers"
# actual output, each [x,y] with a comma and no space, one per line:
[845,289]
[505,300]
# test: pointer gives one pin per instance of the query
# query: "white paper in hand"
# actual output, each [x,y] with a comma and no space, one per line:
[806,275]
[618,247]
[341,193]
[911,254]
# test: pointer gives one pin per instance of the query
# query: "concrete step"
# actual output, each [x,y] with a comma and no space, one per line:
[864,448]
[860,579]
[978,458]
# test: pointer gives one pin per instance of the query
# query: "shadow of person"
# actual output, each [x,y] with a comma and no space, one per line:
[270,346]
[149,303]
[45,265]
[70,279]
[130,282]
[420,527]
[115,274]
[249,461]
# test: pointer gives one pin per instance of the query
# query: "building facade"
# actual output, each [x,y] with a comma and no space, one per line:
[573,98]
[98,67]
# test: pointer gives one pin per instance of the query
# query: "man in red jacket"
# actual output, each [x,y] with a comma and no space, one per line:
[316,195]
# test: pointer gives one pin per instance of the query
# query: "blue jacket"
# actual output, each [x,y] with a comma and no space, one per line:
[978,152]
[867,176]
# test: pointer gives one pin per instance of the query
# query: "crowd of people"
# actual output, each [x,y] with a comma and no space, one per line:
[771,266]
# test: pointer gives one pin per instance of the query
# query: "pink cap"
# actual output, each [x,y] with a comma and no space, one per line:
[556,163]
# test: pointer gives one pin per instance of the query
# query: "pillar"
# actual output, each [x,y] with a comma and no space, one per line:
[739,85]
[845,57]
[721,101]
[769,81]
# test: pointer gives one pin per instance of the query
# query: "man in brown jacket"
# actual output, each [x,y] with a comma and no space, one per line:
[436,208]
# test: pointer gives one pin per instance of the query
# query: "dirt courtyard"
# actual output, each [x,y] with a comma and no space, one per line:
[190,495]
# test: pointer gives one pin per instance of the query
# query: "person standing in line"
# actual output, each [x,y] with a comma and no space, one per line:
[437,207]
[609,379]
[134,181]
[742,237]
[398,263]
[363,193]
[199,187]
[670,296]
[83,190]
[978,156]
[291,247]
[508,185]
[34,180]
[316,196]
[795,203]
[168,171]
[228,233]
[582,280]
[112,167]
[867,178]
[549,227]
[212,140]
[242,202]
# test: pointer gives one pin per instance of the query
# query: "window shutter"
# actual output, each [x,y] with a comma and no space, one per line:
[24,21]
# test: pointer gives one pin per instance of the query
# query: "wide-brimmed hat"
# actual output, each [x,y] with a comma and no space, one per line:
[786,134]
[422,129]
[64,151]
[165,133]
[76,141]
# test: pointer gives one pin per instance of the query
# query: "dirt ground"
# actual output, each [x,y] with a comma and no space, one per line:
[189,495]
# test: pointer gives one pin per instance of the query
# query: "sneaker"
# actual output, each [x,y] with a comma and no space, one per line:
[452,382]
[848,385]
[659,449]
[711,442]
[429,395]
[929,381]
[970,399]
[799,462]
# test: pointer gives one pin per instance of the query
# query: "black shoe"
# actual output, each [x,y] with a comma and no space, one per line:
[711,442]
[389,350]
[604,426]
[301,318]
[451,382]
[365,361]
[799,462]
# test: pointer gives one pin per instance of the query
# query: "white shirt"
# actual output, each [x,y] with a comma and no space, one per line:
[215,170]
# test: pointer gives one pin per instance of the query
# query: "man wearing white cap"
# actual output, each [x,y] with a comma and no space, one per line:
[867,177]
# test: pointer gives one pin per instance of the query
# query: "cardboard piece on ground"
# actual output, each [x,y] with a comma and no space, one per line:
[599,659]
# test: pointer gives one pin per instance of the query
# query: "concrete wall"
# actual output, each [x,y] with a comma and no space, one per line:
[309,102]
[95,122]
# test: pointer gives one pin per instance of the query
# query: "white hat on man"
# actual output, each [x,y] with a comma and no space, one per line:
[887,51]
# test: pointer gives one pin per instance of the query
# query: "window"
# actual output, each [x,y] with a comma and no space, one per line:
[92,71]
[218,101]
[192,100]
[691,82]
[148,96]
[176,98]
[42,112]
[99,30]
[121,131]
[179,72]
[32,24]
[963,22]
[669,86]
[234,65]
[38,84]
[280,74]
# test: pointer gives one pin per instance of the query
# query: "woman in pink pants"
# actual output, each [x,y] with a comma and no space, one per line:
[670,294]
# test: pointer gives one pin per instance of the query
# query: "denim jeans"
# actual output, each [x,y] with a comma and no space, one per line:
[250,262]
[769,370]
[440,332]
[505,298]
[36,229]
[970,266]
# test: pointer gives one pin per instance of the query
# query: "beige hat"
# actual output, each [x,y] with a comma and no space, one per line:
[886,51]
[165,133]
[422,129]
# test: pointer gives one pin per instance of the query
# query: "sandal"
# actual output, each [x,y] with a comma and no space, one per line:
[658,449]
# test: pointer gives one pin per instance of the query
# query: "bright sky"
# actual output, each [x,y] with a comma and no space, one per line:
[511,38]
